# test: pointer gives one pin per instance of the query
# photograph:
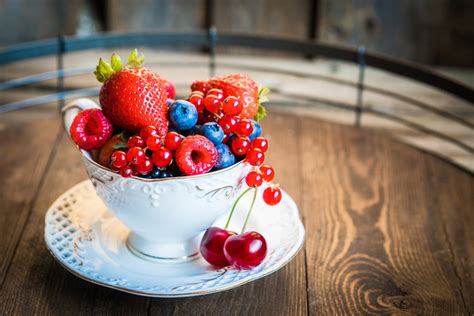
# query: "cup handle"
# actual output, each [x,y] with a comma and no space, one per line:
[70,111]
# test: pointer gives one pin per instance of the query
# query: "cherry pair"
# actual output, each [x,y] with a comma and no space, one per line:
[223,248]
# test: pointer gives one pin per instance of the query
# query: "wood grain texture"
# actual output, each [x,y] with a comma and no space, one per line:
[23,161]
[387,231]
[375,236]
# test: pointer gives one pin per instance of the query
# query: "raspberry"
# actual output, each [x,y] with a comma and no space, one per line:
[90,129]
[196,155]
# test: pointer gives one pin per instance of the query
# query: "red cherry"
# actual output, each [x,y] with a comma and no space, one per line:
[254,179]
[144,167]
[212,246]
[118,159]
[240,146]
[135,141]
[243,128]
[216,92]
[126,172]
[136,155]
[172,140]
[272,195]
[260,143]
[212,103]
[232,106]
[228,123]
[162,157]
[255,157]
[153,142]
[245,251]
[267,173]
[148,131]
[197,101]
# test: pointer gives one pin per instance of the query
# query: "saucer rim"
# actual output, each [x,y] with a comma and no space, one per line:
[275,268]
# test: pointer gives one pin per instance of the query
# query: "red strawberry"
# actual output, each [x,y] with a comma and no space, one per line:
[238,85]
[200,85]
[132,98]
[170,89]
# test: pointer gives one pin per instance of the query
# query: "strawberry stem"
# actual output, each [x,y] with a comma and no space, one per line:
[250,210]
[233,207]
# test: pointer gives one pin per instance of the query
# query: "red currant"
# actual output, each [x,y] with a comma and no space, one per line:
[162,157]
[153,142]
[225,139]
[197,101]
[243,128]
[240,146]
[228,123]
[260,143]
[267,173]
[272,195]
[231,106]
[118,159]
[145,167]
[172,140]
[126,172]
[136,155]
[255,157]
[216,92]
[148,131]
[135,141]
[254,179]
[212,103]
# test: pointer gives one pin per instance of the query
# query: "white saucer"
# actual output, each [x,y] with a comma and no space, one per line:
[91,243]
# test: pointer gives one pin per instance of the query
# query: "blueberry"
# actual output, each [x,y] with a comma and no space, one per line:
[170,102]
[155,173]
[213,132]
[225,158]
[166,174]
[257,130]
[183,115]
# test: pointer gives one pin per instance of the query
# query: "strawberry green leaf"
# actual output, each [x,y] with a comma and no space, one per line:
[116,62]
[261,112]
[134,60]
[103,71]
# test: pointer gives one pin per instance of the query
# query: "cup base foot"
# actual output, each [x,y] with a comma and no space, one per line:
[159,259]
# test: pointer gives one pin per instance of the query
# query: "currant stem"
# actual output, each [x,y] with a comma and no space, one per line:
[233,207]
[250,210]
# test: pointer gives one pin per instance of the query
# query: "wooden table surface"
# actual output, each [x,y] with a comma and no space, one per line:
[389,229]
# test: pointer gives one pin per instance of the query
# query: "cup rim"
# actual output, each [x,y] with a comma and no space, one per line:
[89,159]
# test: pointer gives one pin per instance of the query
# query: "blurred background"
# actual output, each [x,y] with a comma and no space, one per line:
[437,35]
[434,32]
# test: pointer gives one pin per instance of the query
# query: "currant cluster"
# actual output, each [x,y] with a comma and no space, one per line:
[146,151]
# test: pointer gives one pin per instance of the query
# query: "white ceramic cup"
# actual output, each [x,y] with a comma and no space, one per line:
[166,216]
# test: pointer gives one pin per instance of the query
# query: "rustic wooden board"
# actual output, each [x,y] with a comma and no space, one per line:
[375,234]
[387,231]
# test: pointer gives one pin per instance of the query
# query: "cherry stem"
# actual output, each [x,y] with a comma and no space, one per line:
[233,207]
[250,210]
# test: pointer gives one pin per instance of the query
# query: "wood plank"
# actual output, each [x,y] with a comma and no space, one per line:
[36,282]
[284,292]
[455,198]
[28,138]
[372,241]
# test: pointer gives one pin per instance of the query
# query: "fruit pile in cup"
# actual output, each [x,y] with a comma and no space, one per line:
[142,131]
